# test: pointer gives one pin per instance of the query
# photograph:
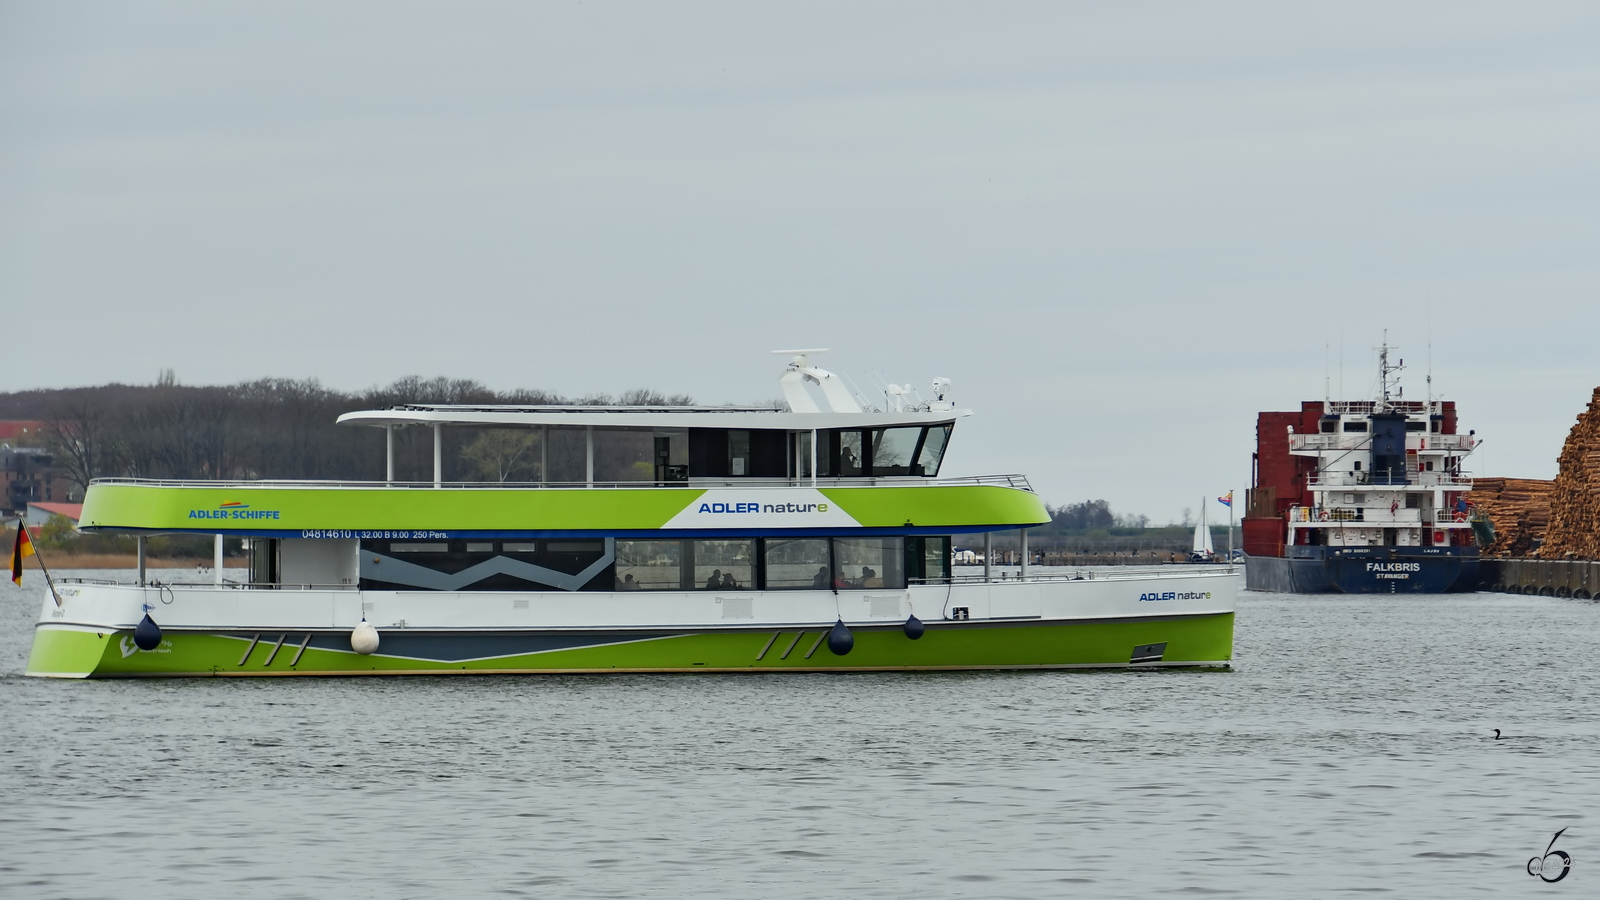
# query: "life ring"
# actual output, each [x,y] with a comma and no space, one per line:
[1322,515]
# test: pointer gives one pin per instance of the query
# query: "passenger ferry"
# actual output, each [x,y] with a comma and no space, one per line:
[1362,497]
[815,537]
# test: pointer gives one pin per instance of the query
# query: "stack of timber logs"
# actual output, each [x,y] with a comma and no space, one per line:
[1575,502]
[1519,509]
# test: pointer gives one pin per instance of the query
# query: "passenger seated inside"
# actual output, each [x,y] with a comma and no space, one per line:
[715,581]
[628,584]
[869,578]
[820,580]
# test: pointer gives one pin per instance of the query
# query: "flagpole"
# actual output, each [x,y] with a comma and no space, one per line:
[1230,526]
[40,557]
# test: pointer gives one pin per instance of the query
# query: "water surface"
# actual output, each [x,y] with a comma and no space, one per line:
[1350,750]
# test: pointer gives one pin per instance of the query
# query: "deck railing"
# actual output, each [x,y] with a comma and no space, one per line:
[999,576]
[1013,480]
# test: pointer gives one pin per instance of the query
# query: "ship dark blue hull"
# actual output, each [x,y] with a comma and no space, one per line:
[1365,570]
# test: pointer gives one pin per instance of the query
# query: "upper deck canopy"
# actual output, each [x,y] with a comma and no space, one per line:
[747,418]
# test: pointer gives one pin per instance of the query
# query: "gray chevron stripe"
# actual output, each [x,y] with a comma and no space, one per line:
[378,567]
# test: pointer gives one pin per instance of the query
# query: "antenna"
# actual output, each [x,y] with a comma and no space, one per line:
[1430,360]
[1388,376]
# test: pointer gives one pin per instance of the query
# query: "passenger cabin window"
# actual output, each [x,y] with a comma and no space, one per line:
[518,565]
[649,565]
[798,564]
[725,565]
[662,565]
[739,453]
[875,563]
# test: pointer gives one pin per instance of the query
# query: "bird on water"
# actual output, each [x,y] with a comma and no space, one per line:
[1497,734]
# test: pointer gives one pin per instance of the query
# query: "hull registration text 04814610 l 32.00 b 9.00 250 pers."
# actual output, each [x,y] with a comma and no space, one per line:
[646,539]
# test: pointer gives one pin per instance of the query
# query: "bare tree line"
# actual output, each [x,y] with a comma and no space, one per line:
[270,428]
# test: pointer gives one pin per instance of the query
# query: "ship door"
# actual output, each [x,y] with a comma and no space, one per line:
[1391,537]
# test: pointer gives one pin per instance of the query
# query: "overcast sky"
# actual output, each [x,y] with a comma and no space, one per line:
[1122,229]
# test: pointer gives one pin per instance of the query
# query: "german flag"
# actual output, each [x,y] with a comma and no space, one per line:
[23,548]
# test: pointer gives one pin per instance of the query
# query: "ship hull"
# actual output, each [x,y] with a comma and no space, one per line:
[1364,573]
[1174,621]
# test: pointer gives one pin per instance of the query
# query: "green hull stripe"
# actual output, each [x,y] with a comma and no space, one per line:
[926,507]
[269,509]
[1190,640]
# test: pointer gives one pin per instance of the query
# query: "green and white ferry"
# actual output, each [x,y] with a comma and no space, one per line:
[816,537]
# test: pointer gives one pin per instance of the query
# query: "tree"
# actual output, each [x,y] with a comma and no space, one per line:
[1088,514]
[499,453]
[75,437]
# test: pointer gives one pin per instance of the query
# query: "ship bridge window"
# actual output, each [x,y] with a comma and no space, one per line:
[932,453]
[852,453]
[1416,426]
[893,450]
[906,450]
[1329,424]
[1352,426]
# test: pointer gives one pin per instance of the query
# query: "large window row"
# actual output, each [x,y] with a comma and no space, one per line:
[776,564]
[726,564]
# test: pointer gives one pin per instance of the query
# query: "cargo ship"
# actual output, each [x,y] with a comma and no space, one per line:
[813,536]
[1362,497]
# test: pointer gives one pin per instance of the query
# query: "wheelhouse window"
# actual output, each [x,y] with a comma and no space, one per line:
[797,563]
[1351,426]
[893,449]
[852,453]
[873,563]
[932,452]
[904,450]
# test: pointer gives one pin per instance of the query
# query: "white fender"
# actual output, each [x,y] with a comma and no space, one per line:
[364,640]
